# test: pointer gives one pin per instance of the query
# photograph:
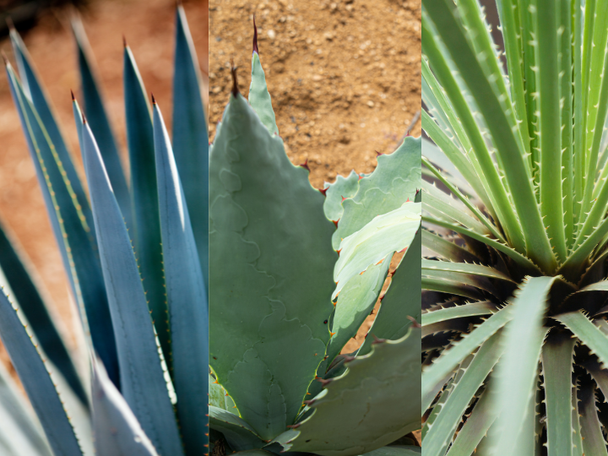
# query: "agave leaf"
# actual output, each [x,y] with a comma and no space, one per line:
[186,297]
[356,301]
[36,95]
[446,249]
[442,430]
[477,270]
[98,120]
[239,435]
[557,358]
[368,406]
[218,397]
[402,300]
[142,379]
[190,138]
[591,428]
[449,359]
[587,332]
[117,431]
[144,193]
[443,397]
[341,189]
[452,286]
[259,295]
[20,432]
[440,204]
[468,310]
[27,297]
[72,234]
[259,98]
[37,382]
[384,235]
[577,448]
[474,429]
[518,369]
[395,180]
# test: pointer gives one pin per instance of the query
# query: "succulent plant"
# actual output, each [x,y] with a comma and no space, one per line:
[515,337]
[283,302]
[136,261]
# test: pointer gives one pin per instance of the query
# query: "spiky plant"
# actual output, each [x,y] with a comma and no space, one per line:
[515,334]
[142,303]
[277,324]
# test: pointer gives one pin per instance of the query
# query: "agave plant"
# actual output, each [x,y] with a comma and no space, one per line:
[278,326]
[515,336]
[140,293]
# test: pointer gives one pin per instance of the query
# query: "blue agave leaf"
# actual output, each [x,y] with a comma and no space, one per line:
[190,138]
[20,432]
[35,93]
[99,122]
[73,235]
[35,309]
[186,298]
[146,236]
[37,382]
[117,431]
[142,378]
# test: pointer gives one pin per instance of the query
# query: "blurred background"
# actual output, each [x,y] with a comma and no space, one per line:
[148,26]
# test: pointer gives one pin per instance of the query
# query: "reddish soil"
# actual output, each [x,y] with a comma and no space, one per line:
[344,77]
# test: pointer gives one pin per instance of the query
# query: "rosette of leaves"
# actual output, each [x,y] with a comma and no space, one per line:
[135,257]
[289,288]
[515,337]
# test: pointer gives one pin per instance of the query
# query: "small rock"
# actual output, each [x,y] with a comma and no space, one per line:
[271,34]
[370,103]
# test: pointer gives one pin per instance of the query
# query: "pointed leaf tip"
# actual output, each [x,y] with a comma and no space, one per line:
[10,24]
[153,99]
[72,93]
[255,37]
[305,165]
[124,41]
[235,84]
[4,59]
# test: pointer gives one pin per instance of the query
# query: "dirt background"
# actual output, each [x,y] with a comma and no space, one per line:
[344,77]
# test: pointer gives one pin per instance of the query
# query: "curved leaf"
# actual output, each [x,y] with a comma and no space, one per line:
[402,300]
[395,180]
[385,234]
[372,404]
[239,435]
